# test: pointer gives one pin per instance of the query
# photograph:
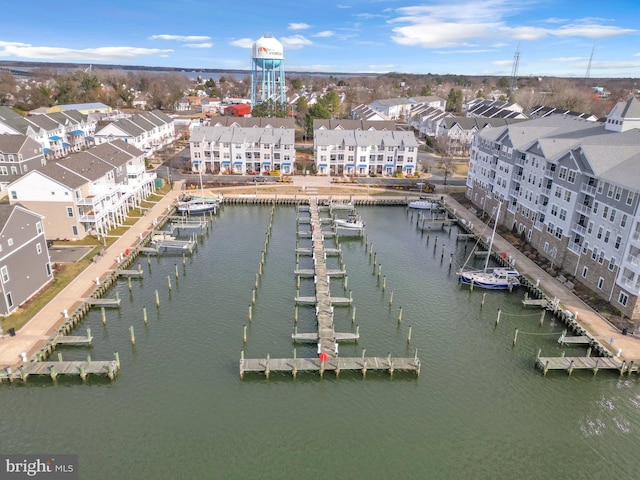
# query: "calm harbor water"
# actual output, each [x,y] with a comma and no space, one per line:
[179,410]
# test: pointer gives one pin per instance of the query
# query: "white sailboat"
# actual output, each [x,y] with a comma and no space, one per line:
[423,204]
[499,278]
[198,205]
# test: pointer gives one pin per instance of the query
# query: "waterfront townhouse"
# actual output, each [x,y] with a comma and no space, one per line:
[241,150]
[19,154]
[58,133]
[148,131]
[365,152]
[346,124]
[25,267]
[571,189]
[86,193]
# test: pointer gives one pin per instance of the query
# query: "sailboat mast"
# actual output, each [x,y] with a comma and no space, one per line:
[495,224]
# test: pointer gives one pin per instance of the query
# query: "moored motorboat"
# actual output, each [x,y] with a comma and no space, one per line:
[423,204]
[496,279]
[353,222]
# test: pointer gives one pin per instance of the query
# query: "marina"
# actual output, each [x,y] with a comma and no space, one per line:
[468,361]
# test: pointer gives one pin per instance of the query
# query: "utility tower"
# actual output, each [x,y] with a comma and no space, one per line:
[513,85]
[586,76]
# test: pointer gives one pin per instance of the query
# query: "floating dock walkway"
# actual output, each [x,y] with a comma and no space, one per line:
[326,337]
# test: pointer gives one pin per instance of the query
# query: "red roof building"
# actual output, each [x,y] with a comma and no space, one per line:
[238,110]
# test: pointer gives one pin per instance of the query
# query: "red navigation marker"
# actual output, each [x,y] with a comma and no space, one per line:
[504,255]
[323,357]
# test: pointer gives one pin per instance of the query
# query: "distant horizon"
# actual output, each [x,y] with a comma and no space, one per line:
[21,64]
[544,38]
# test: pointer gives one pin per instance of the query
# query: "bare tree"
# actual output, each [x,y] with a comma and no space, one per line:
[443,148]
[7,88]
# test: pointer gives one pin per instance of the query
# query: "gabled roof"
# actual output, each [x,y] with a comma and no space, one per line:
[253,122]
[13,143]
[58,174]
[346,124]
[85,165]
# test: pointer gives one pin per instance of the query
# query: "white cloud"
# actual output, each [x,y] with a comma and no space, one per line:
[369,16]
[13,44]
[564,59]
[199,45]
[343,6]
[441,26]
[90,54]
[464,52]
[181,38]
[295,41]
[325,34]
[314,68]
[298,26]
[242,43]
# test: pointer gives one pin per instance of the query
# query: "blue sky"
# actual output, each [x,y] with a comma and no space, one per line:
[473,37]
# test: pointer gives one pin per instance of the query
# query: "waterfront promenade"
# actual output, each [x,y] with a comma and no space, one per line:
[597,326]
[39,329]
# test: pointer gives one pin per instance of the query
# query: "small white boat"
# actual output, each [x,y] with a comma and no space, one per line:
[353,222]
[423,204]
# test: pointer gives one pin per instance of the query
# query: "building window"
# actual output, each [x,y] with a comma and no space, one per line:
[630,197]
[618,242]
[10,242]
[562,175]
[585,270]
[600,230]
[70,212]
[618,193]
[610,191]
[623,298]
[3,170]
[563,214]
[600,283]
[612,263]
[4,273]
[558,192]
[38,248]
[14,195]
[572,176]
[74,230]
[623,221]
[595,207]
[567,195]
[48,268]
[9,300]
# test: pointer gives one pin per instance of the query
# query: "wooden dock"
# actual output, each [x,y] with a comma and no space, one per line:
[130,273]
[579,340]
[326,337]
[75,341]
[301,272]
[569,364]
[109,368]
[104,302]
[335,364]
[330,252]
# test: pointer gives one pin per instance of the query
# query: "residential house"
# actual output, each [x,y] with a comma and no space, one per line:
[236,149]
[364,152]
[58,133]
[83,108]
[480,107]
[342,124]
[426,120]
[19,154]
[148,131]
[238,110]
[459,131]
[366,113]
[401,108]
[543,111]
[25,266]
[86,193]
[571,188]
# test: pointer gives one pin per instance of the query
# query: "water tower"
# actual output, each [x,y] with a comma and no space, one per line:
[267,71]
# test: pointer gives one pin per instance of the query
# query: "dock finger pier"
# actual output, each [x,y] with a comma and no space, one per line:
[325,336]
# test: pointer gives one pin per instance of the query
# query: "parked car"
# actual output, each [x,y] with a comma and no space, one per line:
[258,178]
